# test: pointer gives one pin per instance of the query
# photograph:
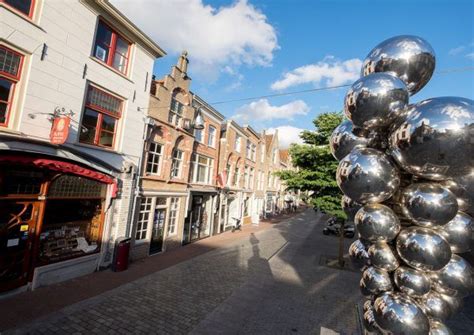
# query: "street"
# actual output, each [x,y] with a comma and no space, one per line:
[270,282]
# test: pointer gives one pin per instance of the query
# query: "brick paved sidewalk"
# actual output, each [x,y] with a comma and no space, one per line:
[27,306]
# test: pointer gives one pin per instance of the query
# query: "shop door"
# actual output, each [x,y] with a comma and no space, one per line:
[196,217]
[17,232]
[156,243]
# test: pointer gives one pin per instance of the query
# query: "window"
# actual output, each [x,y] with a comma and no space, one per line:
[10,67]
[238,143]
[174,211]
[211,139]
[201,169]
[228,171]
[143,218]
[262,153]
[248,153]
[23,6]
[274,157]
[111,48]
[100,118]
[153,165]
[253,155]
[176,163]
[236,177]
[246,206]
[246,177]
[251,178]
[176,112]
[199,135]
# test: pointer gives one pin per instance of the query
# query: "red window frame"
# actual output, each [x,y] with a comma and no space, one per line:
[112,48]
[101,111]
[30,13]
[14,79]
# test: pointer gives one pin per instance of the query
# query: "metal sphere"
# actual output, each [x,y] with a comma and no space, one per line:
[454,303]
[439,328]
[368,304]
[410,58]
[358,255]
[458,233]
[455,279]
[344,138]
[412,282]
[423,248]
[367,176]
[435,141]
[375,101]
[369,320]
[428,204]
[463,188]
[377,222]
[375,281]
[350,207]
[434,306]
[382,256]
[399,314]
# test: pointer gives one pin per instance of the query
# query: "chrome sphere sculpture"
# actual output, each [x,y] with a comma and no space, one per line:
[367,176]
[407,173]
[375,101]
[410,58]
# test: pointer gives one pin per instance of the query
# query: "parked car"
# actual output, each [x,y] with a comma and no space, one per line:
[333,227]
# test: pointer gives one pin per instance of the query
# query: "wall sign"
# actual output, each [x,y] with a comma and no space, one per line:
[59,130]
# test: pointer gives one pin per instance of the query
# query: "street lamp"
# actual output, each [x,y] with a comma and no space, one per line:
[198,121]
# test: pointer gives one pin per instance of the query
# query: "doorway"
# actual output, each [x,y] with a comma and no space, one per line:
[156,242]
[17,234]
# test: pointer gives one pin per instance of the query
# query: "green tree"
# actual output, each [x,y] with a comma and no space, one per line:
[316,166]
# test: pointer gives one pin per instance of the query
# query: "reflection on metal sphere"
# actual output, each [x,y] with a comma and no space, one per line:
[434,306]
[383,257]
[375,281]
[350,207]
[455,279]
[376,222]
[344,138]
[358,255]
[423,248]
[367,176]
[410,58]
[376,101]
[463,188]
[398,314]
[439,328]
[458,232]
[411,282]
[435,141]
[428,204]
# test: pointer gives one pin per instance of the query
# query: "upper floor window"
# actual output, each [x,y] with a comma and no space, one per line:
[176,164]
[262,153]
[199,135]
[274,157]
[101,115]
[236,176]
[238,143]
[154,160]
[211,138]
[111,48]
[10,68]
[251,151]
[201,169]
[176,111]
[22,6]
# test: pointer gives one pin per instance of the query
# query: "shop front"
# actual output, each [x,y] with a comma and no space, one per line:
[51,211]
[200,218]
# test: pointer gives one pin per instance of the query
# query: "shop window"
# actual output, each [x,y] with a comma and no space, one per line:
[22,6]
[143,218]
[10,69]
[101,115]
[174,212]
[176,164]
[111,48]
[211,139]
[154,159]
[14,180]
[176,111]
[71,228]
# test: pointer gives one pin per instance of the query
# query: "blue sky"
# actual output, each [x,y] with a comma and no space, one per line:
[241,49]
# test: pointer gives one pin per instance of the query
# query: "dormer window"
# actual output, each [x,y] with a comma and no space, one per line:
[111,48]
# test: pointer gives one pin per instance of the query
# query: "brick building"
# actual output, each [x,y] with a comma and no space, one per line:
[73,74]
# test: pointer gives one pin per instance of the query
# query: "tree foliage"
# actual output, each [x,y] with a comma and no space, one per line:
[316,166]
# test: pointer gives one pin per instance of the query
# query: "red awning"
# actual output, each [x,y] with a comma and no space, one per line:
[61,166]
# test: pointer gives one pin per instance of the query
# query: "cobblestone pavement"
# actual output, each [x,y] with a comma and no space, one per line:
[269,283]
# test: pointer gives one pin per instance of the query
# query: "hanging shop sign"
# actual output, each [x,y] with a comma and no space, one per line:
[59,130]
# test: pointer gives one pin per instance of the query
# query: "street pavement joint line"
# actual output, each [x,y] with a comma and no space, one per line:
[278,250]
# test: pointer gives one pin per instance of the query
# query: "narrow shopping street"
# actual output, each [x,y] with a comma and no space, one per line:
[265,282]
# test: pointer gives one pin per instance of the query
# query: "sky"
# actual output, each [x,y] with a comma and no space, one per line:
[242,49]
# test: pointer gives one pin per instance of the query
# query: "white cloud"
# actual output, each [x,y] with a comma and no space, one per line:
[457,51]
[261,110]
[287,135]
[215,38]
[463,50]
[330,70]
[470,55]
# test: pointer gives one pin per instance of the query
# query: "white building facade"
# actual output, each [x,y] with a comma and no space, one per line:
[73,76]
